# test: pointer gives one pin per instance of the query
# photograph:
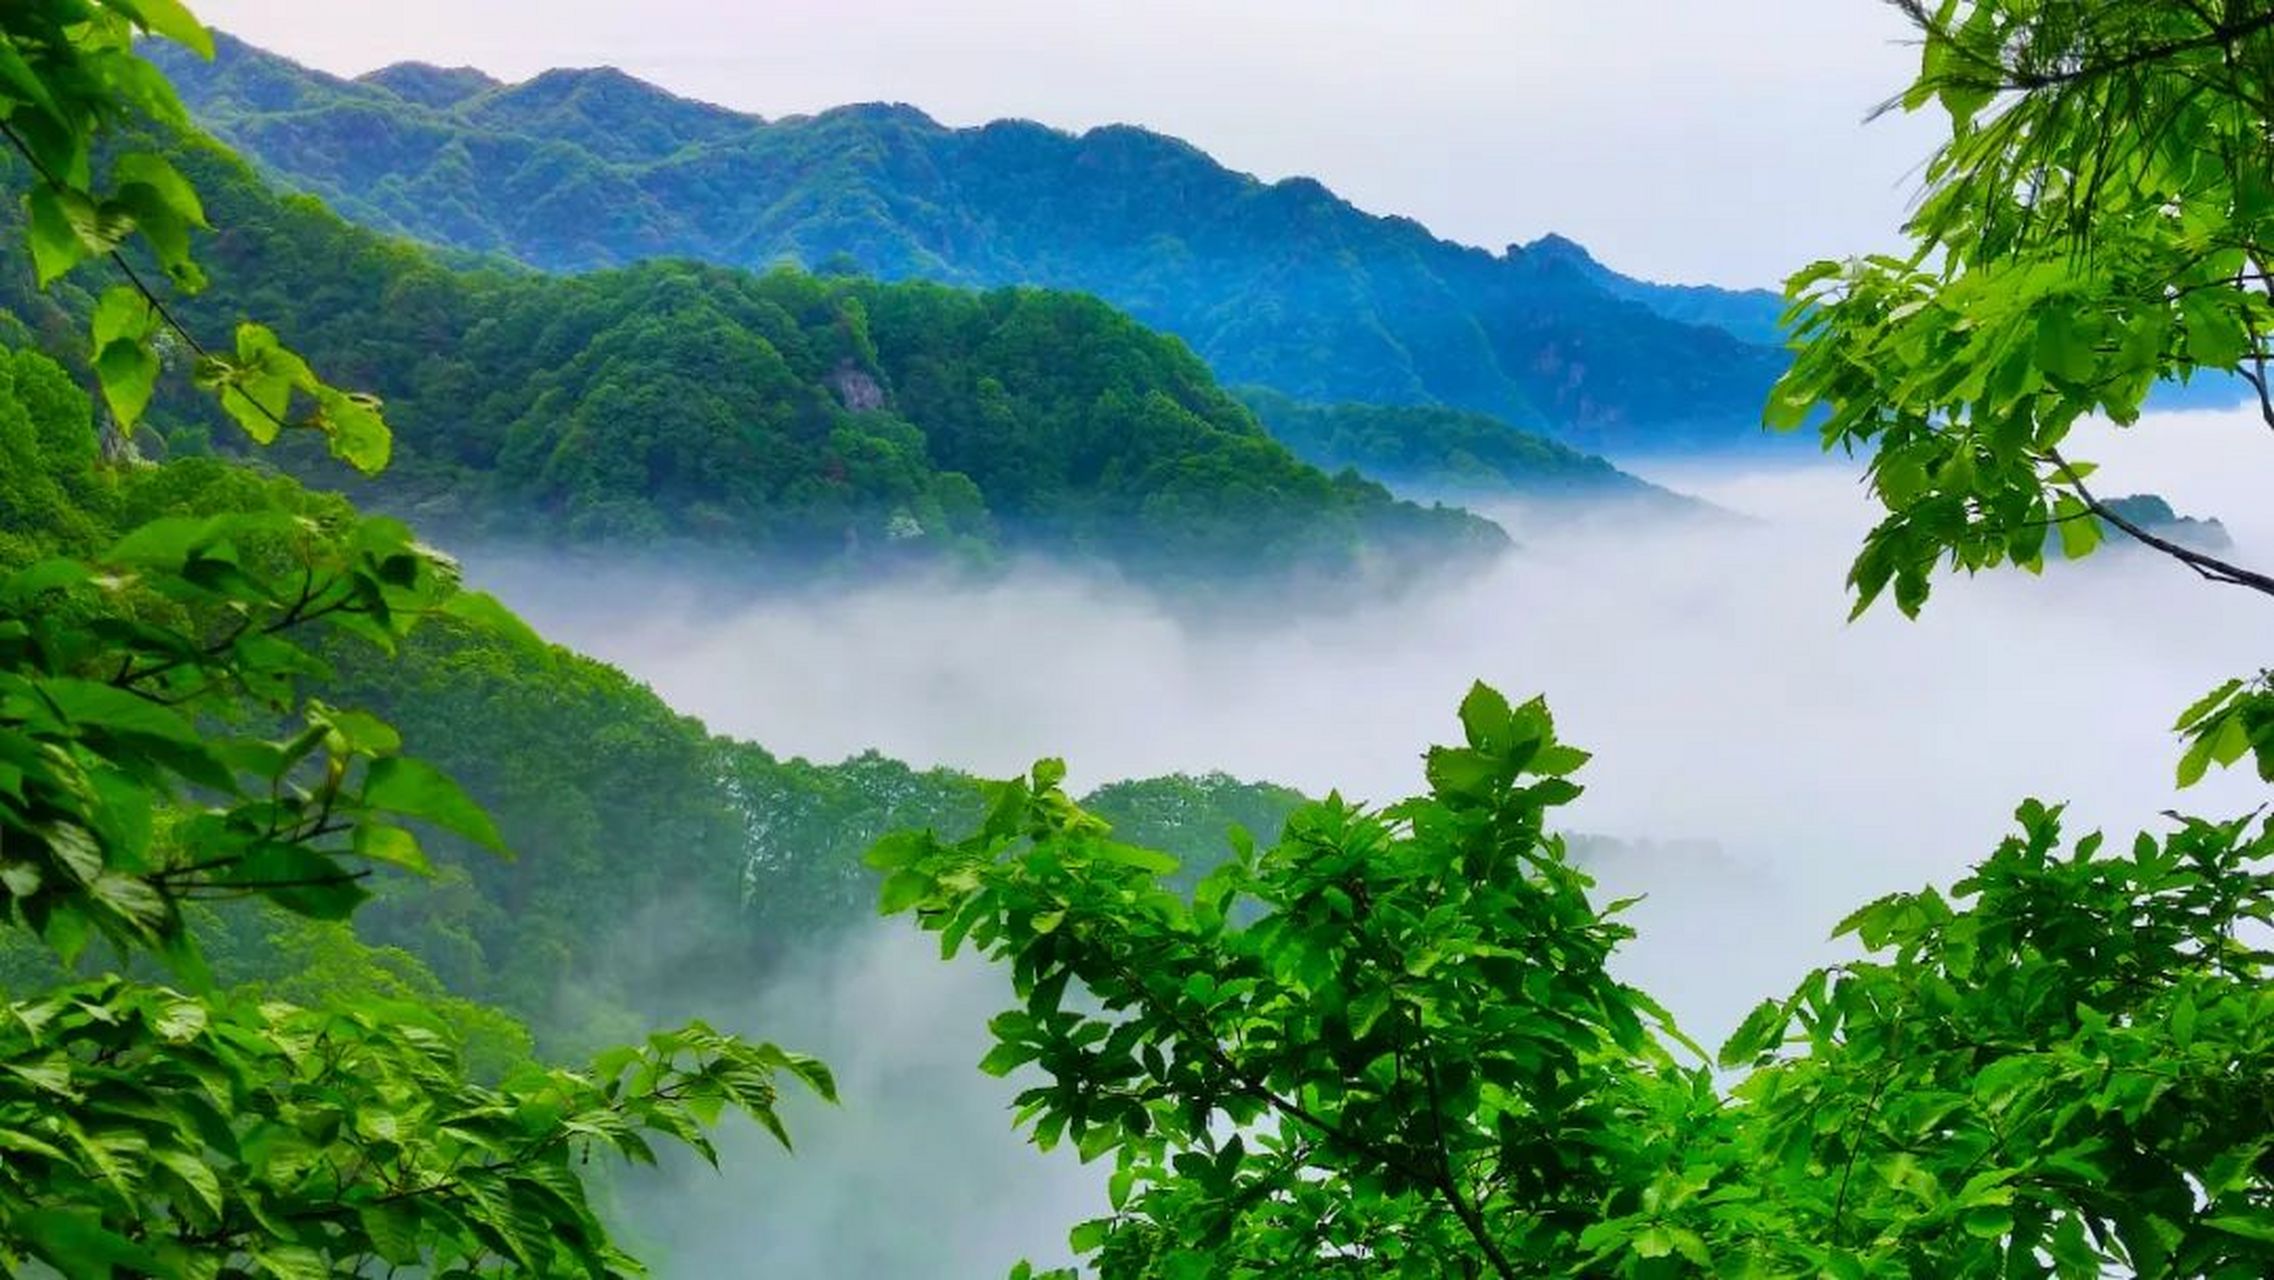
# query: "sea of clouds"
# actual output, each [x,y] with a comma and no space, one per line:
[1785,763]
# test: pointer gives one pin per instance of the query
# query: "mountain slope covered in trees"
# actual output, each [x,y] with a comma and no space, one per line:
[1278,284]
[788,419]
[621,810]
[1455,454]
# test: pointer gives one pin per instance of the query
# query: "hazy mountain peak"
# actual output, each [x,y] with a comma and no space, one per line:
[1554,247]
[246,77]
[607,111]
[559,82]
[430,85]
[900,113]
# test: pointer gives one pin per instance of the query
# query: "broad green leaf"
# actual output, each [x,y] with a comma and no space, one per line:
[393,846]
[195,1174]
[2207,704]
[75,1242]
[123,314]
[358,436]
[394,1231]
[1148,860]
[2216,336]
[1486,716]
[158,173]
[128,369]
[100,706]
[2080,530]
[903,889]
[2249,1226]
[56,246]
[173,20]
[415,789]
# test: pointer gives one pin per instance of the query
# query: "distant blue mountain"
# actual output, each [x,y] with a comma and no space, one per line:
[1756,315]
[1281,285]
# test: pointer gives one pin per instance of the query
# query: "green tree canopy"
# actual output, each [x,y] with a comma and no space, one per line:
[158,750]
[2100,220]
[1392,1044]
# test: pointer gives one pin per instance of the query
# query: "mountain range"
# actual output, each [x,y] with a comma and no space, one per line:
[786,421]
[1281,284]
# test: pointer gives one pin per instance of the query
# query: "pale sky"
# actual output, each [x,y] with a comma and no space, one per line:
[1720,142]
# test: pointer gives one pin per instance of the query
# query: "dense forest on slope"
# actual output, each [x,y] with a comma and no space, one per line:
[1456,454]
[624,814]
[1281,284]
[792,419]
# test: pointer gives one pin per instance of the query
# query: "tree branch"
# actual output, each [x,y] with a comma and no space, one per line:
[150,296]
[2210,568]
[2220,35]
[1471,1219]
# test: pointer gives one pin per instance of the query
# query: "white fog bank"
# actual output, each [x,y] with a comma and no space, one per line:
[1711,670]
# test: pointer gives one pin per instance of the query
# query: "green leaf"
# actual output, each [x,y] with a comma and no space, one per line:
[903,889]
[394,1231]
[357,732]
[358,435]
[1089,1237]
[1131,856]
[899,849]
[391,845]
[1366,1009]
[19,79]
[257,389]
[1989,1221]
[123,314]
[1486,716]
[145,168]
[1458,771]
[300,879]
[173,20]
[1654,1241]
[195,1174]
[76,1243]
[2196,761]
[2216,335]
[2207,704]
[128,370]
[165,542]
[1756,1035]
[2064,347]
[56,246]
[2080,530]
[101,706]
[1692,1247]
[415,789]
[2258,1226]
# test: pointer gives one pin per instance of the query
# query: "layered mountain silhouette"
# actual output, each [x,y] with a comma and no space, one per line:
[1280,285]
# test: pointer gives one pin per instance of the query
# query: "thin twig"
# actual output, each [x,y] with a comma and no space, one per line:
[2210,568]
[150,296]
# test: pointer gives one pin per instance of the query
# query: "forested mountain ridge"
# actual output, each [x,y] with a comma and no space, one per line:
[1452,454]
[619,807]
[790,420]
[1277,284]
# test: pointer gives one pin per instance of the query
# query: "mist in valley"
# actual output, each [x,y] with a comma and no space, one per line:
[1770,764]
